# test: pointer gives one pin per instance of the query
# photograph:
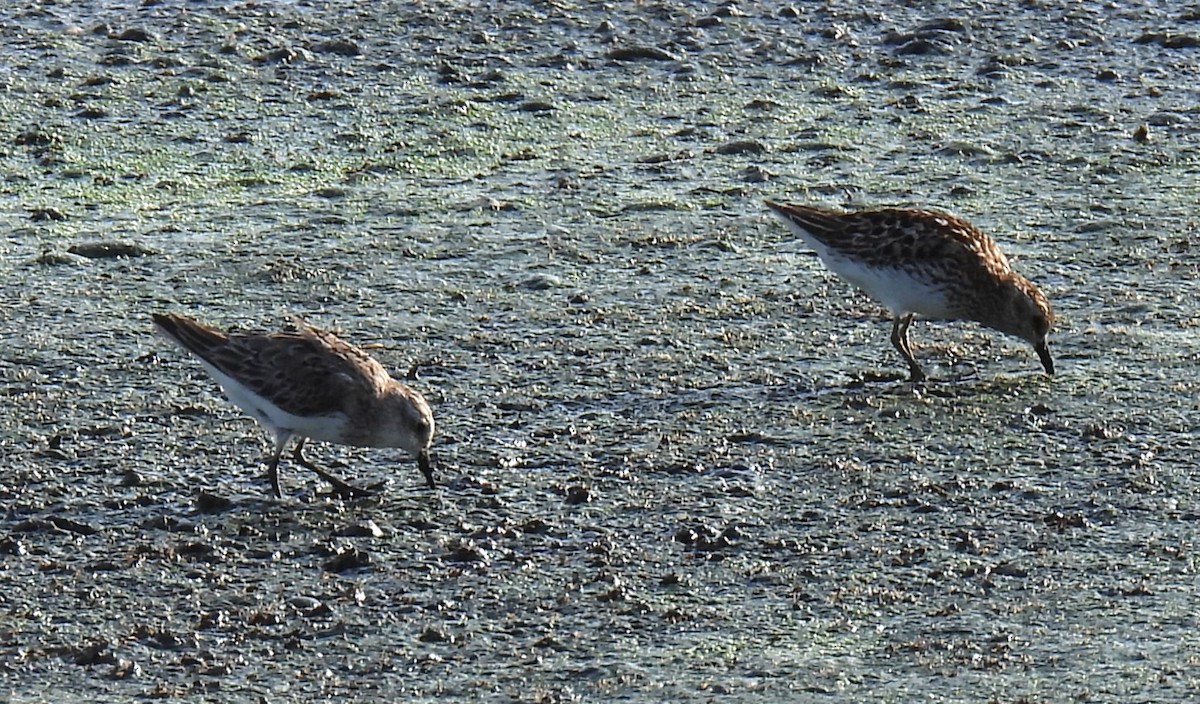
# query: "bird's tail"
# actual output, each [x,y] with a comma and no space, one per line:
[189,334]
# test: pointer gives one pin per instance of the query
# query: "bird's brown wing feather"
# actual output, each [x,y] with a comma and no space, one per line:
[897,236]
[932,234]
[292,368]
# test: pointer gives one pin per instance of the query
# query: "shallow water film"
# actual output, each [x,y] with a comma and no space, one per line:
[677,458]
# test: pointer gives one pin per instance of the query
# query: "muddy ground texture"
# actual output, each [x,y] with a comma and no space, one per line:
[677,459]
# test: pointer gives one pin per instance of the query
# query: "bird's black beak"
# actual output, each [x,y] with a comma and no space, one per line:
[426,467]
[1043,353]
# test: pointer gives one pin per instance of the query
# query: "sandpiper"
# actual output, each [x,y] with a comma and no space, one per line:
[308,383]
[928,263]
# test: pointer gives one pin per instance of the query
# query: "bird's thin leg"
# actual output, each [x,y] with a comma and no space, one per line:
[900,342]
[298,454]
[281,440]
[346,491]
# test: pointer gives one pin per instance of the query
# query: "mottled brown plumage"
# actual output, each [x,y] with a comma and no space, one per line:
[925,262]
[309,383]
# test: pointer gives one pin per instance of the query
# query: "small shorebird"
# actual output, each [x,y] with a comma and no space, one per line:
[310,384]
[928,263]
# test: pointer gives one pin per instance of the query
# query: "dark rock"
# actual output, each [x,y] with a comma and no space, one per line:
[641,53]
[341,47]
[134,34]
[109,250]
[348,559]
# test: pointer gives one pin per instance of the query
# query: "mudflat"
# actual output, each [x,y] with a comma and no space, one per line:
[677,458]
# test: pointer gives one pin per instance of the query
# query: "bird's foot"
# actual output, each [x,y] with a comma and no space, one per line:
[341,488]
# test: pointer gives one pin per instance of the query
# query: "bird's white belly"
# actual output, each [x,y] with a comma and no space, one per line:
[329,428]
[899,290]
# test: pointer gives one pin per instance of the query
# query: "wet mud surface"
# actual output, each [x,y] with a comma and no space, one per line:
[677,459]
